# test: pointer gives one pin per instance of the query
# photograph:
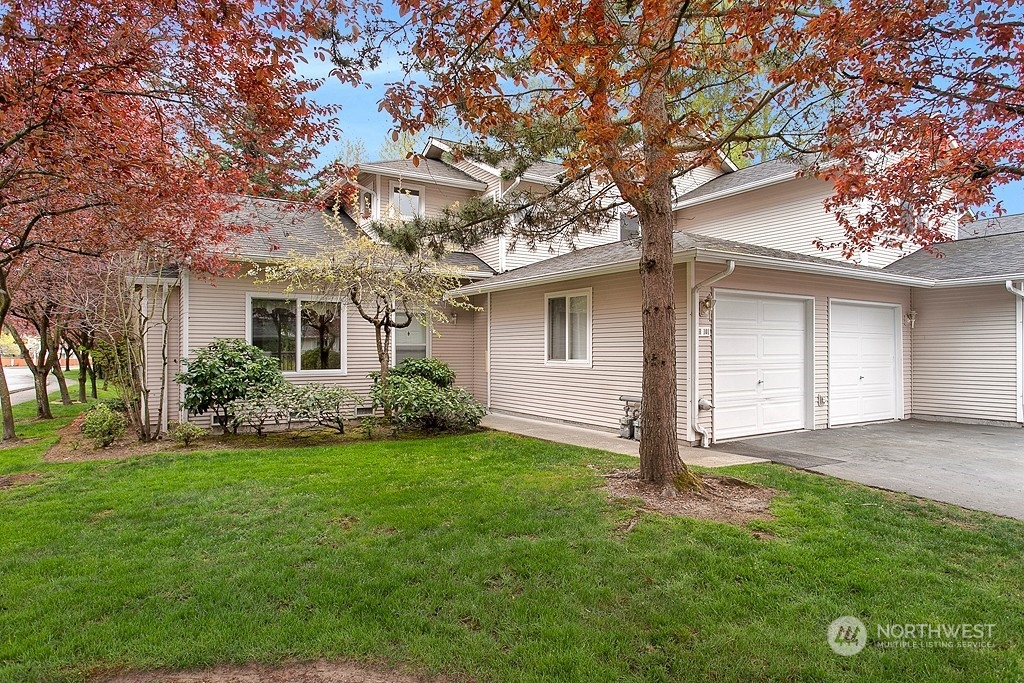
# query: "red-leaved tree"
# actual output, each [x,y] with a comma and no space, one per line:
[914,104]
[130,122]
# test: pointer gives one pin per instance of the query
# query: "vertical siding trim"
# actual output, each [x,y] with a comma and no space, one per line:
[183,352]
[487,358]
[165,343]
[691,351]
[1020,358]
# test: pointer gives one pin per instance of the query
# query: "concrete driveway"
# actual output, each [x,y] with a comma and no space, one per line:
[976,467]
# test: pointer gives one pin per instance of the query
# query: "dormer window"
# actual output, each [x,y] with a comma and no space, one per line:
[366,201]
[407,201]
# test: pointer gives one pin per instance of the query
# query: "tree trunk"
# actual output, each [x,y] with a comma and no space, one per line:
[43,411]
[7,408]
[83,377]
[5,395]
[660,463]
[384,357]
[62,384]
[92,380]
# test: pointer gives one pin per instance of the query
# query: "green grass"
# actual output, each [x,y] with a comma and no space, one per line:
[486,556]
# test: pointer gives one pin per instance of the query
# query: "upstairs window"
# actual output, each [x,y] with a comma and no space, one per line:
[629,226]
[407,201]
[568,327]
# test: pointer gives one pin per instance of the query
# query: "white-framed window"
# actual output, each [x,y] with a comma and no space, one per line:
[407,200]
[568,327]
[304,334]
[367,208]
[412,341]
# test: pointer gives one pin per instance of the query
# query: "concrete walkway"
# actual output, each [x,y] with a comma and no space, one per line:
[605,441]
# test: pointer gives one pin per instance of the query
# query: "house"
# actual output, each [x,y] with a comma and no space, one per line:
[773,334]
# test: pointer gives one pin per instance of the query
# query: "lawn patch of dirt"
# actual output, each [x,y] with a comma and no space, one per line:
[296,672]
[73,446]
[723,499]
[9,481]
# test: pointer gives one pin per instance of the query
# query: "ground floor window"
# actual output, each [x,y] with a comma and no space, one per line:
[568,327]
[302,334]
[411,341]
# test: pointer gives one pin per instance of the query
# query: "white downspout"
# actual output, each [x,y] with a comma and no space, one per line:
[730,266]
[1019,293]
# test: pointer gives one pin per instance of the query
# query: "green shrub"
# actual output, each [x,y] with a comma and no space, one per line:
[224,372]
[103,425]
[186,433]
[323,405]
[116,404]
[435,371]
[418,403]
[273,406]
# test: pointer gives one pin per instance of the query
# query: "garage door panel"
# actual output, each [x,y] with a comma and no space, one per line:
[788,381]
[783,415]
[739,312]
[737,347]
[862,363]
[760,365]
[781,314]
[782,347]
[734,381]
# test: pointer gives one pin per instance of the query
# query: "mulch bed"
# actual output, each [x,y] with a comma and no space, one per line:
[722,499]
[297,672]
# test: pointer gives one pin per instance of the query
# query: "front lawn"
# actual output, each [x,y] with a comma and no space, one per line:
[484,556]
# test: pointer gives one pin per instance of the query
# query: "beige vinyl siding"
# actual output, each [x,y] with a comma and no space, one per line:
[480,359]
[154,351]
[691,180]
[823,289]
[489,252]
[454,342]
[522,255]
[965,353]
[469,168]
[788,216]
[522,383]
[218,309]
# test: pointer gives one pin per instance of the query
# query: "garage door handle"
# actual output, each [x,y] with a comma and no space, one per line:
[862,376]
[761,381]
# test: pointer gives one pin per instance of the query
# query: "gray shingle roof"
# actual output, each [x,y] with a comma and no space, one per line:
[282,226]
[435,168]
[623,252]
[997,225]
[995,256]
[466,261]
[751,176]
[545,169]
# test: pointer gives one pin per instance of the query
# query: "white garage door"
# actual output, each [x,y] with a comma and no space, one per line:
[862,363]
[760,365]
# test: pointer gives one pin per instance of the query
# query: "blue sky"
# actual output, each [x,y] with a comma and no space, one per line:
[361,120]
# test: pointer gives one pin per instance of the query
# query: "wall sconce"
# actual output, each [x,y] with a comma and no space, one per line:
[707,304]
[910,318]
[455,318]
